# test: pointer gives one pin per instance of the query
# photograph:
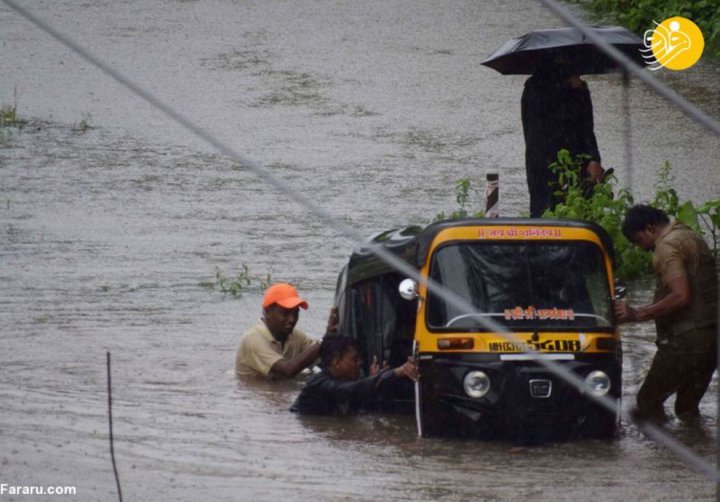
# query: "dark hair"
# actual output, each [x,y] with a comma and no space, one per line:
[333,346]
[639,217]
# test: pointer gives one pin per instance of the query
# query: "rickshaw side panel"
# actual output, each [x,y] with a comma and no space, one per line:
[372,312]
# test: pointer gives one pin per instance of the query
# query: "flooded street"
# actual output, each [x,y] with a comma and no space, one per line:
[111,238]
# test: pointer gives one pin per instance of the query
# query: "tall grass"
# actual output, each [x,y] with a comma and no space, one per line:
[9,117]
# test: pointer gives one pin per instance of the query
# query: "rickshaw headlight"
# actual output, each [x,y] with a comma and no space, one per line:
[476,384]
[599,382]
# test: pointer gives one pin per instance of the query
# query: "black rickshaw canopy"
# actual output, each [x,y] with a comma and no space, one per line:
[412,243]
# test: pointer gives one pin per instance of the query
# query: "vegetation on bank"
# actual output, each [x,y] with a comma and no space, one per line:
[639,16]
[605,205]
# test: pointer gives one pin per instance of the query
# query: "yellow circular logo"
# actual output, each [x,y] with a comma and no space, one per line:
[677,43]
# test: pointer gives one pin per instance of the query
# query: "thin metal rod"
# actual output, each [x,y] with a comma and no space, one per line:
[627,130]
[492,195]
[110,425]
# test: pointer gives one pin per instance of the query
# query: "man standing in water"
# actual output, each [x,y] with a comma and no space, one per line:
[556,113]
[273,348]
[685,310]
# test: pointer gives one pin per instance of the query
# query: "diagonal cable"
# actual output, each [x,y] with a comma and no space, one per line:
[628,65]
[332,221]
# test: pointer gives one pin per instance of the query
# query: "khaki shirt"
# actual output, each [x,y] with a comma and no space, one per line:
[258,350]
[680,252]
[677,252]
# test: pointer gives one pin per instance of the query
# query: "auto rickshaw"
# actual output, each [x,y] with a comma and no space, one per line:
[548,283]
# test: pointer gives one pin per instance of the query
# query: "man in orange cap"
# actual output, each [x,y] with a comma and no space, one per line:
[273,348]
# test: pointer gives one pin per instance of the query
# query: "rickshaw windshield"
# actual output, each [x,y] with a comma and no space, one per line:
[524,286]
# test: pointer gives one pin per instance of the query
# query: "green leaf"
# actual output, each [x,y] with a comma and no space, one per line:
[688,215]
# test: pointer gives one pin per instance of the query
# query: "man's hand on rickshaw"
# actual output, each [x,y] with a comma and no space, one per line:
[624,312]
[595,171]
[408,370]
[375,366]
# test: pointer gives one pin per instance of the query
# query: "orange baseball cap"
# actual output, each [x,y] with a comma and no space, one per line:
[284,295]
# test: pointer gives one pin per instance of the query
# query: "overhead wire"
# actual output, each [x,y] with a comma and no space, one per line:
[689,109]
[339,225]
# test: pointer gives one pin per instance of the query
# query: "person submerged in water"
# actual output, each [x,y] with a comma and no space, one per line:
[339,389]
[274,348]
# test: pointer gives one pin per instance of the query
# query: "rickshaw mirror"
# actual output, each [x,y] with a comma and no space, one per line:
[408,289]
[620,290]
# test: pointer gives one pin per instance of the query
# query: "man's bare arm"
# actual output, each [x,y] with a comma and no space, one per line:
[288,368]
[680,296]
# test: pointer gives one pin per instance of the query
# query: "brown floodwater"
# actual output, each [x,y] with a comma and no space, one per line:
[111,237]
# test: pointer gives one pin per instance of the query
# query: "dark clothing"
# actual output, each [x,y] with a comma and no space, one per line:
[687,373]
[554,116]
[324,395]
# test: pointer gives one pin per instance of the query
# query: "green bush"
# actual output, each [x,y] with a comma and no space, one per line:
[602,204]
[243,281]
[463,192]
[639,15]
[705,219]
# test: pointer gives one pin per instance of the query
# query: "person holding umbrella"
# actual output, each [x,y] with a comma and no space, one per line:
[556,107]
[556,113]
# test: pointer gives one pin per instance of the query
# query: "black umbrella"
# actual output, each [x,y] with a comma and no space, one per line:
[522,55]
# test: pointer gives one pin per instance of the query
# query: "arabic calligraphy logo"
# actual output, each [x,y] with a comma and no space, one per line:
[676,44]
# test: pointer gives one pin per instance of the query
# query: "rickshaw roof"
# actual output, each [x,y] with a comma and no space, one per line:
[412,243]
